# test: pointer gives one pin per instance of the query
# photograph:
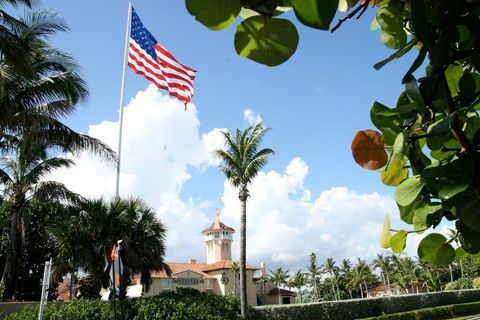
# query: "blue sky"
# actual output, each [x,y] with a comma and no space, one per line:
[314,103]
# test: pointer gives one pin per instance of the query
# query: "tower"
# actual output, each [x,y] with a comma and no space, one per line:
[218,239]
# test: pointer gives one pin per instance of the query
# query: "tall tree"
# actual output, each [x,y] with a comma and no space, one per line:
[330,268]
[346,269]
[279,278]
[241,163]
[299,282]
[383,263]
[23,179]
[313,274]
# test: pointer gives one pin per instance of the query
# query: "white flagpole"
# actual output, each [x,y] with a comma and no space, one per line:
[122,94]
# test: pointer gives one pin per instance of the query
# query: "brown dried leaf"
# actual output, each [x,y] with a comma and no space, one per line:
[368,149]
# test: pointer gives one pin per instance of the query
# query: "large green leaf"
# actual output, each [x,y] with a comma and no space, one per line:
[400,143]
[469,238]
[427,215]
[269,41]
[466,206]
[398,241]
[392,35]
[407,212]
[315,13]
[435,249]
[214,14]
[414,93]
[454,74]
[446,180]
[398,54]
[388,123]
[395,173]
[409,190]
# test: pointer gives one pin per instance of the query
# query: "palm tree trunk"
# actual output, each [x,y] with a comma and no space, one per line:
[72,277]
[451,273]
[366,289]
[333,289]
[315,292]
[338,292]
[388,283]
[279,296]
[9,271]
[361,290]
[243,195]
[350,293]
[461,267]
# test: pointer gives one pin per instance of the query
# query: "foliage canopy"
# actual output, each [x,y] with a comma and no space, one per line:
[427,145]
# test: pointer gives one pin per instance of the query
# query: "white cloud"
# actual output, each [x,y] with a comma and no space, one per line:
[251,117]
[160,142]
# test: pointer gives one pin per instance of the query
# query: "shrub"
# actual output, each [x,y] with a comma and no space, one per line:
[183,305]
[460,284]
[363,308]
[476,283]
[434,313]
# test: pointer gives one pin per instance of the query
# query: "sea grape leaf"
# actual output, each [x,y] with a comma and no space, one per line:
[269,41]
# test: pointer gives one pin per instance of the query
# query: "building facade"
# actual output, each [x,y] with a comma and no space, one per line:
[218,274]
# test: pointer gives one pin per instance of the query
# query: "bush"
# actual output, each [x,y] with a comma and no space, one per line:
[364,308]
[182,305]
[442,312]
[460,284]
[476,283]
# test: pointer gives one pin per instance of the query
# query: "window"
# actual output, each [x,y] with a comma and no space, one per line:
[208,283]
[166,283]
[188,281]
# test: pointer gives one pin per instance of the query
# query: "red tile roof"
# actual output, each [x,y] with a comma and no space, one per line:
[221,226]
[200,268]
[223,264]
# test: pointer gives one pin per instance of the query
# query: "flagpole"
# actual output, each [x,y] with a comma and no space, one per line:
[122,94]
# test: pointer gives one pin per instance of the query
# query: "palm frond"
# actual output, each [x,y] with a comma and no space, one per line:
[56,190]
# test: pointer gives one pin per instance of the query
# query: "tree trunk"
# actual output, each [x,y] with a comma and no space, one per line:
[315,292]
[451,273]
[72,278]
[243,195]
[461,267]
[361,290]
[10,270]
[279,296]
[338,292]
[333,289]
[366,289]
[388,282]
[350,293]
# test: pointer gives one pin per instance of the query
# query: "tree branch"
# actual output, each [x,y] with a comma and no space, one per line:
[352,14]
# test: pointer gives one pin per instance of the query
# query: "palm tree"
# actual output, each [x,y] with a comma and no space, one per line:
[143,246]
[346,269]
[313,274]
[34,100]
[241,163]
[235,268]
[383,263]
[299,282]
[22,179]
[279,278]
[330,268]
[69,237]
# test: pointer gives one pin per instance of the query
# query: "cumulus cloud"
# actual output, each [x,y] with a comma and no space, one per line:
[160,142]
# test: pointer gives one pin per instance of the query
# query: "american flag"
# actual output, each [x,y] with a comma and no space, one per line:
[155,63]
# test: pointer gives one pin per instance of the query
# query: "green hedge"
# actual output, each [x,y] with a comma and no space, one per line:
[364,308]
[185,305]
[450,311]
